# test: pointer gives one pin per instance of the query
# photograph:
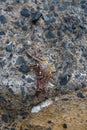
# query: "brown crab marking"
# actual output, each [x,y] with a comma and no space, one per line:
[43,71]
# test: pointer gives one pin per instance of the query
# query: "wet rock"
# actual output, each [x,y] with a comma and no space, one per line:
[50,35]
[9,47]
[36,17]
[80,95]
[24,69]
[20,60]
[2,33]
[5,118]
[3,19]
[25,12]
[63,79]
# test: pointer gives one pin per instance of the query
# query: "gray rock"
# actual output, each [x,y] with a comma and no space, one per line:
[45,6]
[20,60]
[63,79]
[64,43]
[80,95]
[9,47]
[25,12]
[55,2]
[29,80]
[2,0]
[69,27]
[52,7]
[5,118]
[24,28]
[62,8]
[49,18]
[24,69]
[2,33]
[10,90]
[84,55]
[36,17]
[32,10]
[2,99]
[21,50]
[49,35]
[3,19]
[55,14]
[59,32]
[12,128]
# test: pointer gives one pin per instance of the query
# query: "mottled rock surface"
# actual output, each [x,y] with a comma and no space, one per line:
[70,114]
[52,29]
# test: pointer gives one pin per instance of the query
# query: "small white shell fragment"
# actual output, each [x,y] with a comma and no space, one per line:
[39,107]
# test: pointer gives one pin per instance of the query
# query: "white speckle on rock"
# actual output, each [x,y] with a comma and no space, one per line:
[13,83]
[29,43]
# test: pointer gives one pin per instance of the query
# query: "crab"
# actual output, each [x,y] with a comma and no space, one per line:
[43,71]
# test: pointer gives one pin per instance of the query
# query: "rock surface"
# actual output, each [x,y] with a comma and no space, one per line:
[70,114]
[54,30]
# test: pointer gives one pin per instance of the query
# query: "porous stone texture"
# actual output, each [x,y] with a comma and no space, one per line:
[55,30]
[67,112]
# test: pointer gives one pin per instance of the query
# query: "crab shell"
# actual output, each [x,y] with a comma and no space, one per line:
[46,69]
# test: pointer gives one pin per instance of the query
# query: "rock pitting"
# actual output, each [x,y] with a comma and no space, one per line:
[53,30]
